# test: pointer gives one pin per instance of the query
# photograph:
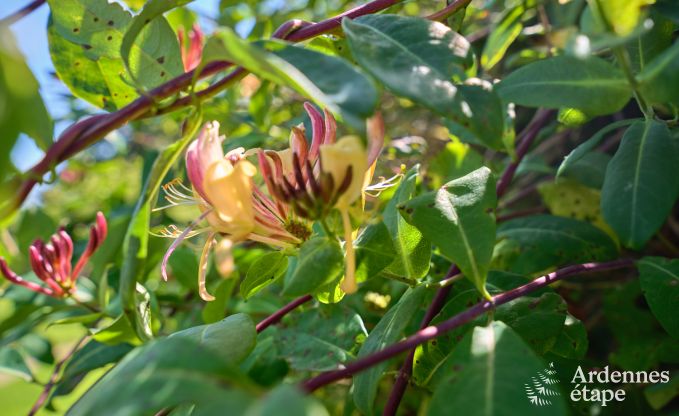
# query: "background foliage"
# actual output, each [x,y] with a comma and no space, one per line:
[528,135]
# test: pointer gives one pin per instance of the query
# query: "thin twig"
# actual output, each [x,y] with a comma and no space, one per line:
[526,140]
[406,371]
[279,314]
[520,213]
[456,321]
[21,13]
[449,10]
[53,379]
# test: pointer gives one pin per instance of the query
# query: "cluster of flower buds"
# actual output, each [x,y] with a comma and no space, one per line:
[313,179]
[191,47]
[302,183]
[51,262]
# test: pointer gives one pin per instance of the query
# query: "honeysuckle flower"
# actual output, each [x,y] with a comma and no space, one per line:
[191,47]
[51,262]
[301,184]
[235,209]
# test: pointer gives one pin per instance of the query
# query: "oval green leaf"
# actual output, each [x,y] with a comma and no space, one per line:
[641,184]
[422,60]
[489,371]
[264,271]
[459,219]
[330,81]
[320,262]
[659,280]
[591,85]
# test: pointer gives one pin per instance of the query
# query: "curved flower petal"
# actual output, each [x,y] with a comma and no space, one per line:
[203,153]
[202,269]
[338,157]
[229,188]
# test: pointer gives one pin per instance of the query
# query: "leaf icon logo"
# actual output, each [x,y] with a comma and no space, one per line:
[538,390]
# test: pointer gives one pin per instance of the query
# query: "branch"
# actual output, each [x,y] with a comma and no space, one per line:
[279,314]
[526,138]
[53,379]
[21,13]
[449,10]
[456,321]
[88,131]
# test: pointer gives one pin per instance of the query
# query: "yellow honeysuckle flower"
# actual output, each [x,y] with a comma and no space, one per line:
[302,183]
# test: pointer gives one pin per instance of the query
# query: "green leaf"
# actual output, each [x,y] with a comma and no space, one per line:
[38,347]
[90,357]
[330,81]
[264,271]
[374,251]
[393,46]
[135,245]
[649,45]
[387,331]
[455,160]
[641,184]
[487,374]
[659,80]
[159,59]
[117,332]
[588,145]
[659,280]
[308,346]
[13,363]
[85,319]
[658,395]
[570,199]
[21,107]
[413,251]
[534,244]
[85,43]
[591,85]
[572,342]
[183,266]
[420,60]
[459,219]
[162,374]
[622,16]
[287,400]
[638,341]
[216,310]
[538,318]
[96,81]
[320,262]
[232,338]
[502,36]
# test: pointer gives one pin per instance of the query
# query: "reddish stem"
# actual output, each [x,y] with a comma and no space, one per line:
[526,139]
[53,379]
[21,13]
[449,10]
[279,314]
[456,321]
[401,383]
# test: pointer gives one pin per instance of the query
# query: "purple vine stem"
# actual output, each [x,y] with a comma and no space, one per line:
[526,139]
[21,13]
[431,332]
[279,314]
